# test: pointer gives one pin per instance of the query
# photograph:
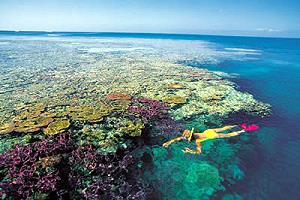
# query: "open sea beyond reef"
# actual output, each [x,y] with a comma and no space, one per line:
[84,115]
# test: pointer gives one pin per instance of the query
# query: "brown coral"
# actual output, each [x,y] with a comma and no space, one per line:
[31,119]
[176,86]
[32,124]
[119,105]
[6,128]
[57,126]
[132,128]
[89,113]
[30,112]
[118,96]
[49,161]
[175,99]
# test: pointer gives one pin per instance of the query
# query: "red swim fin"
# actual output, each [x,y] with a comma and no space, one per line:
[251,127]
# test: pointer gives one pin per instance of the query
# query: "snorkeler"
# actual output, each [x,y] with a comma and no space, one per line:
[209,134]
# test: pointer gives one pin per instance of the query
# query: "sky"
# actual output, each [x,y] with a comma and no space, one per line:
[278,18]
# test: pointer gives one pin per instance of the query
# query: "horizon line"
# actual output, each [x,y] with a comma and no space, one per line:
[153,33]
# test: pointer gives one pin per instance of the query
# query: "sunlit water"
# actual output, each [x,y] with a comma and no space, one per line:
[268,68]
[273,76]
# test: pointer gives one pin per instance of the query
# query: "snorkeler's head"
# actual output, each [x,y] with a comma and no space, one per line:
[188,134]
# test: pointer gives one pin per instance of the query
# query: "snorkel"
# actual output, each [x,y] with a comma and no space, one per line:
[191,135]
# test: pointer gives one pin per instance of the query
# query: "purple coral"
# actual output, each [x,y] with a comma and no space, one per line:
[169,126]
[108,174]
[155,104]
[24,174]
[80,173]
[48,182]
[147,113]
[148,109]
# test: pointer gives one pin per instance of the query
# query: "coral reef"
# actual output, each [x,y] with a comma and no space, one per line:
[57,126]
[87,113]
[105,176]
[204,178]
[6,128]
[105,139]
[118,96]
[224,102]
[113,133]
[119,105]
[106,100]
[8,143]
[148,109]
[176,86]
[169,127]
[175,99]
[56,168]
[22,175]
[132,128]
[181,178]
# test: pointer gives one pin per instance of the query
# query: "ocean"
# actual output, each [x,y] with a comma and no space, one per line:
[265,164]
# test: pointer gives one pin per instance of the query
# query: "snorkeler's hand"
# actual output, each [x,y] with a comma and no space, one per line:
[188,150]
[237,133]
[166,144]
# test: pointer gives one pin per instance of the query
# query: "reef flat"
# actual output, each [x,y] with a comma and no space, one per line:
[78,116]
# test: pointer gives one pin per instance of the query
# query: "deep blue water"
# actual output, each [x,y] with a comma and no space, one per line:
[273,76]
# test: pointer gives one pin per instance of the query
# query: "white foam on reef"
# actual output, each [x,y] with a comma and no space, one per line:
[203,52]
[101,50]
[4,43]
[241,51]
[54,35]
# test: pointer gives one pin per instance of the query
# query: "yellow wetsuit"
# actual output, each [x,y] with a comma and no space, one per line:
[209,134]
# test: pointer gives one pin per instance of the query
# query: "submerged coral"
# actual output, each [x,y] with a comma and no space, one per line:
[176,86]
[203,178]
[8,143]
[23,176]
[6,128]
[175,99]
[105,176]
[182,179]
[118,96]
[113,133]
[149,109]
[132,128]
[168,126]
[220,99]
[55,168]
[87,113]
[106,140]
[57,126]
[105,100]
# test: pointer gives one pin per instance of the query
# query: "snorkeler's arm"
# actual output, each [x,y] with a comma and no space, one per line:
[198,148]
[166,144]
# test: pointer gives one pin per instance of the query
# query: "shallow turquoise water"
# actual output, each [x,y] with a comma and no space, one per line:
[269,68]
